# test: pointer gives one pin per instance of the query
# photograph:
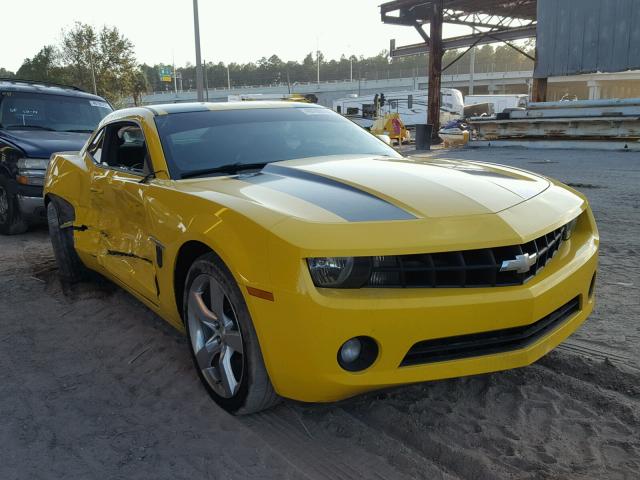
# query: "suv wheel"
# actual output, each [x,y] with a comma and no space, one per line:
[11,221]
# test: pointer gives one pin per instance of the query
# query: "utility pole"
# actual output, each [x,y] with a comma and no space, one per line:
[93,72]
[228,79]
[196,29]
[351,70]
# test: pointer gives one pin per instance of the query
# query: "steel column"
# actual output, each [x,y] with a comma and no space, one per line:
[435,68]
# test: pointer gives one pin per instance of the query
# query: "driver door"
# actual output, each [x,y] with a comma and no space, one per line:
[119,199]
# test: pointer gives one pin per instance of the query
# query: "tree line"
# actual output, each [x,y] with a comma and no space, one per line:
[103,60]
[274,71]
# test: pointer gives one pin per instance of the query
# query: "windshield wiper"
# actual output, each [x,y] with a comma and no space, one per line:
[37,127]
[230,168]
[79,130]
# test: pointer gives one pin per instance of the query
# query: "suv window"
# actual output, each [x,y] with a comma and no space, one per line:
[124,148]
[25,110]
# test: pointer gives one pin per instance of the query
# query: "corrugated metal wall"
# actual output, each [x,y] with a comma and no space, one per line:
[586,36]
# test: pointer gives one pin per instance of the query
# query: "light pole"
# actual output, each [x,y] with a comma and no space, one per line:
[351,70]
[318,59]
[472,65]
[196,29]
[175,78]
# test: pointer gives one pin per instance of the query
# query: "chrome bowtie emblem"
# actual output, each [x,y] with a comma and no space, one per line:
[521,264]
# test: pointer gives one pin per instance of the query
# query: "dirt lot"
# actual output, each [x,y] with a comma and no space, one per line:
[95,386]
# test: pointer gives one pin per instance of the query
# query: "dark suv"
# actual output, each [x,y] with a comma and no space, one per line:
[36,120]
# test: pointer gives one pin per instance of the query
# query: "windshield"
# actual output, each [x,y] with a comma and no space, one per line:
[20,110]
[199,141]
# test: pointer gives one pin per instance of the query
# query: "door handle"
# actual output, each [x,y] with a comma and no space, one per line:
[96,190]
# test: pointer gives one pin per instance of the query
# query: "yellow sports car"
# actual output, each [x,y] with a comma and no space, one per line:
[307,259]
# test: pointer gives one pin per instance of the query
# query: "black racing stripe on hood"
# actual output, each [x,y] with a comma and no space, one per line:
[344,200]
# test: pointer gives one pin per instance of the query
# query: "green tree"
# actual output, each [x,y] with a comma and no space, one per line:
[137,85]
[101,61]
[43,66]
[4,73]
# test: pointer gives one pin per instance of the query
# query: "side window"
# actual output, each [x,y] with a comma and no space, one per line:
[95,147]
[125,148]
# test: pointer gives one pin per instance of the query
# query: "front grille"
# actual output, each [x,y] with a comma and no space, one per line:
[465,268]
[487,343]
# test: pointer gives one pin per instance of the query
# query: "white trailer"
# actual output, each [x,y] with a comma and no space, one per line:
[499,102]
[410,104]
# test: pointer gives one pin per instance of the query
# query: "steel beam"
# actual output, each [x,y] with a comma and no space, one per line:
[468,40]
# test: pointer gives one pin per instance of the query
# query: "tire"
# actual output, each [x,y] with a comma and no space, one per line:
[11,221]
[223,342]
[70,266]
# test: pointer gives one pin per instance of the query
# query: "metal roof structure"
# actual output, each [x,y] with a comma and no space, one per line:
[492,20]
[456,10]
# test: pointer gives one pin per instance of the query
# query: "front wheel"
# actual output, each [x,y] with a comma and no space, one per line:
[223,342]
[11,221]
[69,264]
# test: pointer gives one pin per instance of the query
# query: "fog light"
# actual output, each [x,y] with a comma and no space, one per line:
[350,351]
[357,353]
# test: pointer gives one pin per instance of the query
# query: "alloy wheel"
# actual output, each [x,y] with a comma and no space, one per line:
[215,335]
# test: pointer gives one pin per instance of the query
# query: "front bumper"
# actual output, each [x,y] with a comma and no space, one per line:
[301,331]
[32,208]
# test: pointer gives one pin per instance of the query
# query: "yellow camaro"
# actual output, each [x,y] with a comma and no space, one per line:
[305,258]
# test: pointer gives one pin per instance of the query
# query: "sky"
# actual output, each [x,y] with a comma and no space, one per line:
[239,31]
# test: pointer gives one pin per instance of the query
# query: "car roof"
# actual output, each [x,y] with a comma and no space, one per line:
[169,108]
[29,86]
[150,111]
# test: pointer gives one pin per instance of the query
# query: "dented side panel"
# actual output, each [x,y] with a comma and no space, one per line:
[132,232]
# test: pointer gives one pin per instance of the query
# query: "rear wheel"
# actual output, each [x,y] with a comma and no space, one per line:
[69,264]
[223,342]
[11,221]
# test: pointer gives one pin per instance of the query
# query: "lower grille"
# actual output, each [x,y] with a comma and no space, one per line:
[486,343]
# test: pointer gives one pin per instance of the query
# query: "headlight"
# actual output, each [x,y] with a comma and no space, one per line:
[31,171]
[339,272]
[570,227]
[33,163]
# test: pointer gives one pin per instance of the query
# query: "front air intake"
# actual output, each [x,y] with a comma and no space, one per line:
[487,343]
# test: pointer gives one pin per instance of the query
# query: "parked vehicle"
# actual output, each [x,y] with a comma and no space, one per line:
[307,259]
[411,105]
[36,120]
[500,102]
[455,133]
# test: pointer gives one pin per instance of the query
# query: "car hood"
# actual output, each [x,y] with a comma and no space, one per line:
[42,143]
[361,189]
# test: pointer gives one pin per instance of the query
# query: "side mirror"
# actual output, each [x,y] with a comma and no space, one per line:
[385,138]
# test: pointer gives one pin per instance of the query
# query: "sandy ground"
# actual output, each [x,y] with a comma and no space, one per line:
[95,386]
